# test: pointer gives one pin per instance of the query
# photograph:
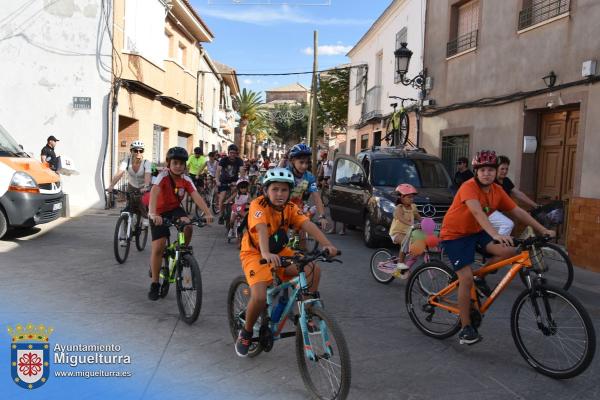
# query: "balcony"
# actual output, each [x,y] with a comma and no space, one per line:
[137,68]
[462,43]
[372,105]
[542,10]
[179,84]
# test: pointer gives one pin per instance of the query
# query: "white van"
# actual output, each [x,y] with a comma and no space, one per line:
[30,192]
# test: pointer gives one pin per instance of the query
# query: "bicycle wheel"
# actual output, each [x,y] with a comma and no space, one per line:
[163,278]
[557,266]
[188,288]
[122,241]
[237,302]
[214,200]
[325,197]
[328,375]
[381,256]
[424,281]
[403,129]
[553,332]
[188,203]
[141,233]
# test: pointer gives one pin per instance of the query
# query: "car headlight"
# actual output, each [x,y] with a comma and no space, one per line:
[23,182]
[386,205]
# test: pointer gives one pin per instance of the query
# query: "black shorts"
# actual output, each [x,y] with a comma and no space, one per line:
[162,231]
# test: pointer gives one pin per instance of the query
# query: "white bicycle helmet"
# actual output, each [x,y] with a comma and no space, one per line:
[136,144]
[278,175]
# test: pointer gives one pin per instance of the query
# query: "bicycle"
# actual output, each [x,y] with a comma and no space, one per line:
[233,232]
[129,225]
[180,267]
[191,208]
[543,317]
[325,191]
[398,125]
[320,343]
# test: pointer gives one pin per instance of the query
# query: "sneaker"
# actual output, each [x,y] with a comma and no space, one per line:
[243,342]
[399,270]
[469,335]
[153,294]
[230,233]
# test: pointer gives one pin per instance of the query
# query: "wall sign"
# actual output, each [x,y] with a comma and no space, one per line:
[82,103]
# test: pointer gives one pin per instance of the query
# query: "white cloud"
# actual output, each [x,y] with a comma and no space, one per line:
[247,81]
[271,16]
[329,50]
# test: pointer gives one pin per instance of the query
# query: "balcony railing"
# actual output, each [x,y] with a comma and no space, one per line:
[372,104]
[462,43]
[542,10]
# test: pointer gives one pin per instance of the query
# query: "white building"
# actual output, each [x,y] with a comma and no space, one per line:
[54,52]
[369,105]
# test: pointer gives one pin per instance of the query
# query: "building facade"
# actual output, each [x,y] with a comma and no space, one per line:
[56,80]
[373,77]
[515,71]
[294,92]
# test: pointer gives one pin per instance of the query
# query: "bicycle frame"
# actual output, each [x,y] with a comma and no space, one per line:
[176,248]
[519,261]
[298,285]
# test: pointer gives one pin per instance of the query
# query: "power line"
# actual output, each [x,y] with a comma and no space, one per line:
[286,73]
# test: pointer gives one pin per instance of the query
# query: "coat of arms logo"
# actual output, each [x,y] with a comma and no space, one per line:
[30,355]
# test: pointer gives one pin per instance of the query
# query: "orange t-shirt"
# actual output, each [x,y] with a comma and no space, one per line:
[460,222]
[261,212]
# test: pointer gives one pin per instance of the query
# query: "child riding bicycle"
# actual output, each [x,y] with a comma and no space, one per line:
[165,202]
[240,200]
[405,215]
[269,218]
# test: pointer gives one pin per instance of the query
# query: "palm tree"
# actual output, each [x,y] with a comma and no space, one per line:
[246,104]
[260,128]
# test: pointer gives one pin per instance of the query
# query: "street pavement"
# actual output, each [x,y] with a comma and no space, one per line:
[65,275]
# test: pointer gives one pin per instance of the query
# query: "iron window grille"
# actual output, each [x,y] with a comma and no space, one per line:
[541,10]
[462,43]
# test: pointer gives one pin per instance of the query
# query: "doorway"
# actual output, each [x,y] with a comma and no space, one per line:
[556,157]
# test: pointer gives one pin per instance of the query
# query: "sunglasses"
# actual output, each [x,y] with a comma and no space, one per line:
[137,150]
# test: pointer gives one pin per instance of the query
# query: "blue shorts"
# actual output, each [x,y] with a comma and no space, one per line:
[461,252]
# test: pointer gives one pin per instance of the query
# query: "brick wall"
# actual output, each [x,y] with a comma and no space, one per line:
[583,234]
[128,132]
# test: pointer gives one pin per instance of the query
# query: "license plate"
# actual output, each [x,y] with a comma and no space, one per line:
[56,206]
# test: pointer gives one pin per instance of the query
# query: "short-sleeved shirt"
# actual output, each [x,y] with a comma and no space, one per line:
[462,177]
[50,157]
[136,178]
[230,170]
[212,167]
[170,197]
[261,212]
[196,164]
[507,185]
[408,214]
[460,222]
[303,187]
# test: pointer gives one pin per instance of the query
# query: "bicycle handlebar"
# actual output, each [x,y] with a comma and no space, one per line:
[199,222]
[302,259]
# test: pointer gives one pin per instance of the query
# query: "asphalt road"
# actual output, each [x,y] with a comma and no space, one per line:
[65,275]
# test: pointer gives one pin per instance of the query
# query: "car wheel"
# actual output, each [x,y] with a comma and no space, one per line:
[369,233]
[3,224]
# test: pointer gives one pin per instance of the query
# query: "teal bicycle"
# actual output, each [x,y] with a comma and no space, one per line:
[181,268]
[321,349]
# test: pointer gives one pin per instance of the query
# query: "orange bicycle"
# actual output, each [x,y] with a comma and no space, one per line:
[551,329]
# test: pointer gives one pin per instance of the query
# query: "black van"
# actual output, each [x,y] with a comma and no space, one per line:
[362,188]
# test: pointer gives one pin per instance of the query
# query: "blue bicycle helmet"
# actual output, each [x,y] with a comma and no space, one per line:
[300,150]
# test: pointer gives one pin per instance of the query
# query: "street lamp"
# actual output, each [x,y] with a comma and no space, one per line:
[550,79]
[403,55]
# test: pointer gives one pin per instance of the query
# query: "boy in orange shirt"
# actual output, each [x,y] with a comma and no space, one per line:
[269,218]
[466,228]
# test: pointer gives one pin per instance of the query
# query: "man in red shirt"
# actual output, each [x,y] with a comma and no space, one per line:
[466,228]
[165,202]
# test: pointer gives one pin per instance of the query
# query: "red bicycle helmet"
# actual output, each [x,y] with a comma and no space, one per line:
[406,188]
[485,158]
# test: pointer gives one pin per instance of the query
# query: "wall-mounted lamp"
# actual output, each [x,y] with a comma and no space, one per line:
[550,79]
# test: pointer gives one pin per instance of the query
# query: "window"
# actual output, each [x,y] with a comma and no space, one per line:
[536,11]
[377,138]
[419,173]
[360,84]
[182,54]
[348,171]
[364,141]
[352,147]
[401,37]
[454,147]
[170,49]
[157,140]
[465,27]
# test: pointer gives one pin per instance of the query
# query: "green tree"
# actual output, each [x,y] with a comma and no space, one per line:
[247,104]
[333,97]
[290,122]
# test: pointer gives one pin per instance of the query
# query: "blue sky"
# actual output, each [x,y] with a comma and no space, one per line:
[275,38]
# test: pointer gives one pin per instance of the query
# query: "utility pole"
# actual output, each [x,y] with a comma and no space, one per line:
[312,122]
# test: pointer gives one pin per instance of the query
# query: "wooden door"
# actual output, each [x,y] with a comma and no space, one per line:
[556,160]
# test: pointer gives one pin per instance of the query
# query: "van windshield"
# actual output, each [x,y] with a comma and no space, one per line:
[419,173]
[8,146]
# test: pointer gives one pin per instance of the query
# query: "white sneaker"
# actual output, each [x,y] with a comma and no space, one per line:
[401,271]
